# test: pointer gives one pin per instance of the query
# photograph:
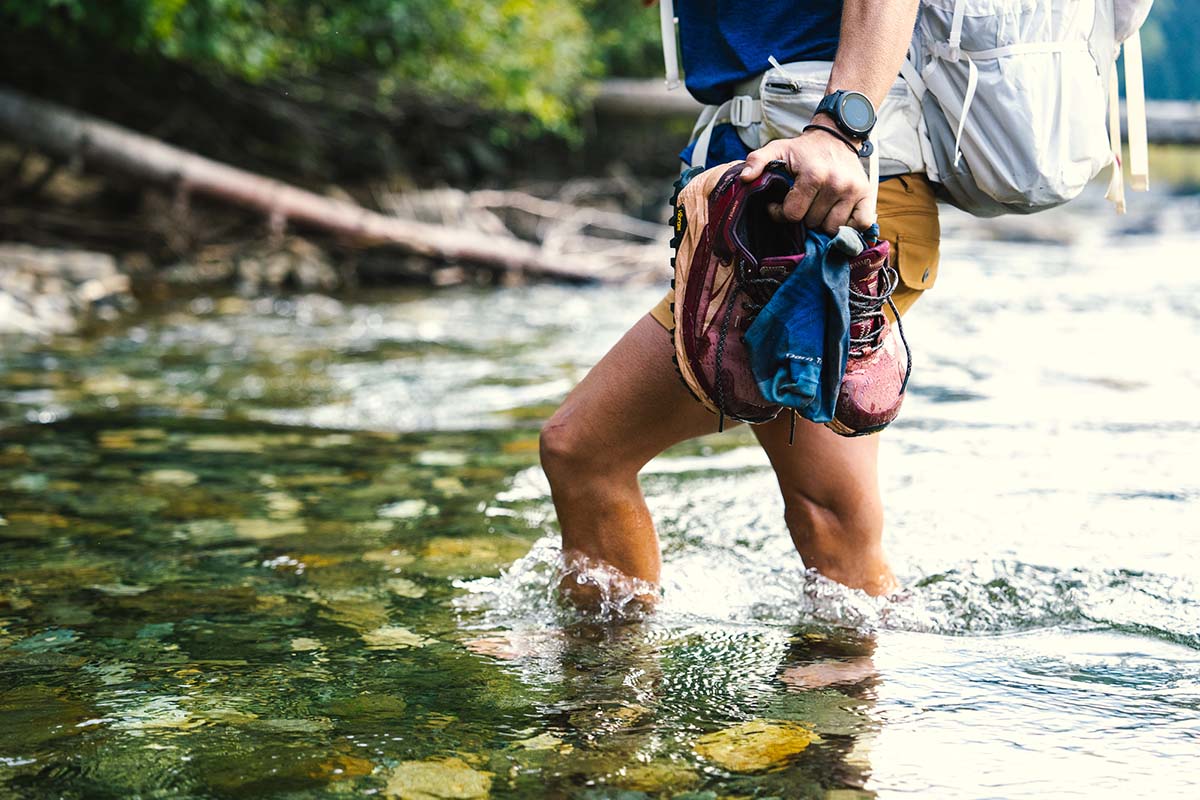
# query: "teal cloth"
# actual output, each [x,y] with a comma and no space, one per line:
[800,340]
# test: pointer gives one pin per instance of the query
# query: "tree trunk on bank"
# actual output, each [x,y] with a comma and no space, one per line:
[70,135]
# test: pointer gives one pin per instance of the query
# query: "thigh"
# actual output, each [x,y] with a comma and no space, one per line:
[632,405]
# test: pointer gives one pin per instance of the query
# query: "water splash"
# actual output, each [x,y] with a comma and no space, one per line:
[976,598]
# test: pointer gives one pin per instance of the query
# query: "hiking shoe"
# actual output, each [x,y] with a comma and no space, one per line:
[730,257]
[879,361]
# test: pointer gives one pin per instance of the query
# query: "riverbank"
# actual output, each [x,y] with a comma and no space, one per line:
[89,245]
[44,291]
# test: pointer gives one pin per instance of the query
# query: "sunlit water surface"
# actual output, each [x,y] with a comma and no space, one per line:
[301,547]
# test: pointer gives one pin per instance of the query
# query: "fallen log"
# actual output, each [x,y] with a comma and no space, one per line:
[72,136]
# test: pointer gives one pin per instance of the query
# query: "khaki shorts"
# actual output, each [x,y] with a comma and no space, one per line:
[908,219]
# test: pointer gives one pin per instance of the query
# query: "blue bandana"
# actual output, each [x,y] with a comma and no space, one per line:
[799,341]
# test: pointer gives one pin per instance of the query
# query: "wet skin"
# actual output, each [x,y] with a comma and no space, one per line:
[632,406]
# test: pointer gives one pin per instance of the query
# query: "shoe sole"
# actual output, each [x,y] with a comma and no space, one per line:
[678,226]
[842,430]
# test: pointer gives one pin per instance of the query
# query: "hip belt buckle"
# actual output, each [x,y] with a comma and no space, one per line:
[742,110]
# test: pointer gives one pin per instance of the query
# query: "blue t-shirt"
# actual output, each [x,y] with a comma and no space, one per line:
[724,42]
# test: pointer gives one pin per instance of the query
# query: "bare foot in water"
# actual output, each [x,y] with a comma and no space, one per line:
[593,586]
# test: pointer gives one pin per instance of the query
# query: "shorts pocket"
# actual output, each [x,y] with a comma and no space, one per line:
[916,260]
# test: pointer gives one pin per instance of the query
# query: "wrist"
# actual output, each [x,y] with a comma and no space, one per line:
[861,148]
[828,120]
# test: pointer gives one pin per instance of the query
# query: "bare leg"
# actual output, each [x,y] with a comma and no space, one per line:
[628,409]
[831,500]
[632,406]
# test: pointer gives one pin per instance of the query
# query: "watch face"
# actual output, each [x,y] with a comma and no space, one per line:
[857,112]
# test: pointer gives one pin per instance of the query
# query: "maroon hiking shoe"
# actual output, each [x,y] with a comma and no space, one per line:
[879,361]
[730,257]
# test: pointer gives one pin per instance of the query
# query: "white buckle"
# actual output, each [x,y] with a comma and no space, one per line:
[741,111]
[947,52]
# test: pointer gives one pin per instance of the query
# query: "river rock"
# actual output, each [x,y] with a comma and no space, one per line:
[448,779]
[46,290]
[755,746]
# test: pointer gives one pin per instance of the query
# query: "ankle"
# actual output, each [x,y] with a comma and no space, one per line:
[872,576]
[593,584]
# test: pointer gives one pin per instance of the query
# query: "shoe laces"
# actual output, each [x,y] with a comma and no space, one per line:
[759,286]
[868,309]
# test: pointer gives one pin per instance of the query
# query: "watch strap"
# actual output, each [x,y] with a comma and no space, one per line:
[862,152]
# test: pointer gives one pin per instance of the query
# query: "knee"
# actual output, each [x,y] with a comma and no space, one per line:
[831,530]
[563,448]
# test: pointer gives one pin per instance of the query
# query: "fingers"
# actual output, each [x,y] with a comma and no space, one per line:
[830,189]
[824,201]
[757,161]
[826,198]
[838,216]
[864,215]
[800,199]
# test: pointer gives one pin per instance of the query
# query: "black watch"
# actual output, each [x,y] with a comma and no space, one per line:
[852,111]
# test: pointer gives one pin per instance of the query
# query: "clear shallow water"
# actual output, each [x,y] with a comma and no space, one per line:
[302,548]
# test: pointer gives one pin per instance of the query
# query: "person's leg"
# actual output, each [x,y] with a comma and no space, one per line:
[628,409]
[830,484]
[831,501]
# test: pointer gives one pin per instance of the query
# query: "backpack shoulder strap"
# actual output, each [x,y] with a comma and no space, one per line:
[666,20]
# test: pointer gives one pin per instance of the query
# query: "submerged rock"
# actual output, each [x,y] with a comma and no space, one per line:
[755,746]
[543,741]
[34,714]
[441,458]
[448,779]
[226,444]
[391,559]
[444,556]
[403,587]
[825,711]
[303,644]
[170,477]
[406,509]
[393,637]
[370,711]
[656,777]
[340,767]
[266,528]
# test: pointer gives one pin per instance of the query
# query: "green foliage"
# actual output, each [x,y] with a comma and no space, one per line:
[626,37]
[525,56]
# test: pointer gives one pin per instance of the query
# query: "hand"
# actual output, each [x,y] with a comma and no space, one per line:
[831,188]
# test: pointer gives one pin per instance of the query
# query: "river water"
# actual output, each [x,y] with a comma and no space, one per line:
[299,547]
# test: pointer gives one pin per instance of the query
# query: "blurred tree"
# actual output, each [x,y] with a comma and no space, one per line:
[1172,58]
[523,56]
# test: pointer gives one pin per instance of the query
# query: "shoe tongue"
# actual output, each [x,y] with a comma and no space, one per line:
[864,270]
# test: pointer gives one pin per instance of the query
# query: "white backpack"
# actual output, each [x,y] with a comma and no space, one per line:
[1014,98]
[1016,95]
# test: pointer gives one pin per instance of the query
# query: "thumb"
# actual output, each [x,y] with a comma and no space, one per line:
[757,161]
